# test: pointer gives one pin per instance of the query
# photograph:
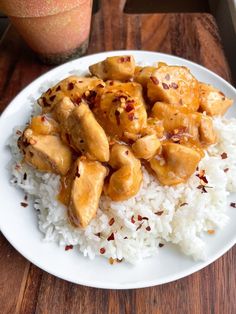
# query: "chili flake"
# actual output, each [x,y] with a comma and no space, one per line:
[224,155]
[174,85]
[51,98]
[154,80]
[165,86]
[233,205]
[70,86]
[58,88]
[102,250]
[226,169]
[111,222]
[159,213]
[140,218]
[23,204]
[68,247]
[148,228]
[140,225]
[161,244]
[167,77]
[111,237]
[132,219]
[25,176]
[183,204]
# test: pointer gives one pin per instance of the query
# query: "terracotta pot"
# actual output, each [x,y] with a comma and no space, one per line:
[56,30]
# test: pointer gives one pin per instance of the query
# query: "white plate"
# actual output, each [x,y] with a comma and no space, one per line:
[19,225]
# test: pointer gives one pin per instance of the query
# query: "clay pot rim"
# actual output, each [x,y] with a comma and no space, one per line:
[15,8]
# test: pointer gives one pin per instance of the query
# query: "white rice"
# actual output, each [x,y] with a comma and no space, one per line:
[182,225]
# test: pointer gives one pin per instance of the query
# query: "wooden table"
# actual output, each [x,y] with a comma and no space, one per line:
[26,288]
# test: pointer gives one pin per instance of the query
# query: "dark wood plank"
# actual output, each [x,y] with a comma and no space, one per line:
[27,289]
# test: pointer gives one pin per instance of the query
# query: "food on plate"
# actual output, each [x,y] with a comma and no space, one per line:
[128,157]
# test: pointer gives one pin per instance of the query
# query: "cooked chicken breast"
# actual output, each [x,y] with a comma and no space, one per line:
[174,85]
[114,68]
[126,180]
[146,147]
[121,111]
[74,87]
[45,152]
[213,101]
[86,135]
[176,164]
[86,191]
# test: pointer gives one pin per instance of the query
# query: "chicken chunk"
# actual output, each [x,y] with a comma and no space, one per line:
[212,101]
[126,180]
[44,125]
[146,147]
[74,87]
[120,109]
[45,152]
[176,164]
[86,135]
[86,191]
[182,125]
[143,74]
[114,68]
[174,85]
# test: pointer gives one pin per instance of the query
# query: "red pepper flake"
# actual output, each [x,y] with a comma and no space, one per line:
[70,86]
[43,119]
[132,219]
[233,205]
[49,91]
[80,81]
[45,103]
[18,132]
[17,167]
[129,106]
[51,98]
[161,244]
[154,80]
[140,225]
[26,197]
[224,155]
[125,238]
[111,83]
[98,234]
[117,115]
[68,247]
[226,169]
[131,116]
[159,213]
[183,204]
[111,237]
[148,228]
[165,86]
[100,86]
[102,250]
[174,85]
[58,88]
[25,176]
[111,222]
[167,77]
[23,204]
[78,101]
[145,218]
[140,218]
[124,59]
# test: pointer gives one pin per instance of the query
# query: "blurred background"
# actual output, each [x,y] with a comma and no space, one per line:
[224,11]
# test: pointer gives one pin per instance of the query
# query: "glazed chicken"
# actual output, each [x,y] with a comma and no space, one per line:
[97,132]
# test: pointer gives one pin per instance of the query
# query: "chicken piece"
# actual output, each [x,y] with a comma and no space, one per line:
[74,87]
[181,125]
[174,85]
[44,125]
[114,68]
[176,165]
[146,147]
[120,109]
[61,112]
[143,74]
[212,101]
[86,191]
[126,180]
[45,152]
[86,135]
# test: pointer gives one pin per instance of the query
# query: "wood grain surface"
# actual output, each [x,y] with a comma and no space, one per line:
[24,288]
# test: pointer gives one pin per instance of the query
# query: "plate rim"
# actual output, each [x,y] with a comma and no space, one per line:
[138,284]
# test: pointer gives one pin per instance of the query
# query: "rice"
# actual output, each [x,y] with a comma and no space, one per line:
[156,215]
